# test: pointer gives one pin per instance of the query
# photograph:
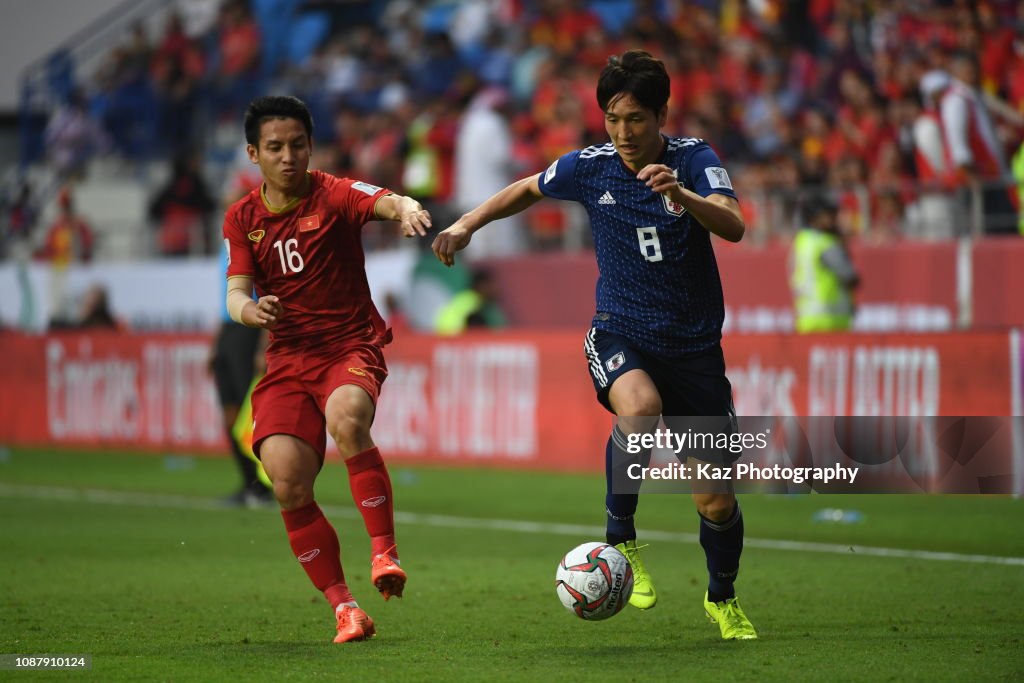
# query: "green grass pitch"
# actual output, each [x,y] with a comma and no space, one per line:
[129,559]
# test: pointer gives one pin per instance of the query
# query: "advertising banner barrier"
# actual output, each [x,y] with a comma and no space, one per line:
[520,400]
[148,392]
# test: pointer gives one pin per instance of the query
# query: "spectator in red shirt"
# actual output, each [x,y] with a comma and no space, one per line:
[563,24]
[182,210]
[239,40]
[238,45]
[177,68]
[69,239]
[974,146]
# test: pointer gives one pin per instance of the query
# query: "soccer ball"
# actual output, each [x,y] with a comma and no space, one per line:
[594,581]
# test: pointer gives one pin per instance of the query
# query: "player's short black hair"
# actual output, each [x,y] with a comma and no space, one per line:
[636,73]
[275,107]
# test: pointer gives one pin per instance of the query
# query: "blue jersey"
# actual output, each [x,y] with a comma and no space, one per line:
[658,282]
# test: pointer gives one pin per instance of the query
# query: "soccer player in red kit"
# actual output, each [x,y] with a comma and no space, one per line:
[296,239]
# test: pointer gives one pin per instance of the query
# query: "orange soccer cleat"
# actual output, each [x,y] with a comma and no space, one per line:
[387,576]
[353,624]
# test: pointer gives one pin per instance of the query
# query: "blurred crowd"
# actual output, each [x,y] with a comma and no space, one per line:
[909,113]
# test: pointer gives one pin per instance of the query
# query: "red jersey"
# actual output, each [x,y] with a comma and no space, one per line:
[310,255]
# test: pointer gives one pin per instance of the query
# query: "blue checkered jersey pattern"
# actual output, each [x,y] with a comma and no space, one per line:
[658,281]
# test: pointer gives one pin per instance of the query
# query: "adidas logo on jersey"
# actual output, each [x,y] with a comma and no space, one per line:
[606,198]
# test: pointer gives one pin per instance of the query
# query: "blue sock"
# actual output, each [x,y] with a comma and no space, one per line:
[723,544]
[620,507]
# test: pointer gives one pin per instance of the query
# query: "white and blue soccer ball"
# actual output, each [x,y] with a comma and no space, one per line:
[594,581]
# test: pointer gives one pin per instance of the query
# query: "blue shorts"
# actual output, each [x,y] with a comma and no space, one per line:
[693,384]
[693,389]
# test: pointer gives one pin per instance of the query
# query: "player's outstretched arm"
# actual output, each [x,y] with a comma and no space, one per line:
[517,197]
[718,213]
[415,220]
[263,313]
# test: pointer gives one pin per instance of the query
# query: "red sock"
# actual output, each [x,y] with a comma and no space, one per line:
[371,490]
[315,545]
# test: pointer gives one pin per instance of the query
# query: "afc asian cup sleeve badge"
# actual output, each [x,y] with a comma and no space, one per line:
[549,174]
[615,362]
[718,178]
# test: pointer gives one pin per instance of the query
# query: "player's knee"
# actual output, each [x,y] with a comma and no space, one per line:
[635,394]
[350,430]
[292,493]
[716,508]
[349,416]
[639,403]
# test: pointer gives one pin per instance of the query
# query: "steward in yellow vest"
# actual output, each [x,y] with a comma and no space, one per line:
[1018,175]
[822,275]
[473,307]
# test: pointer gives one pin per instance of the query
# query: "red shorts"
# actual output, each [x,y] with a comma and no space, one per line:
[292,397]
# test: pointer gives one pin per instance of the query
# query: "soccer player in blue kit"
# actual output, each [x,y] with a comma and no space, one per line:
[655,345]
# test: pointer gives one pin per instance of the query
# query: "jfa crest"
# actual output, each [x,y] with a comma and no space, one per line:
[674,208]
[615,362]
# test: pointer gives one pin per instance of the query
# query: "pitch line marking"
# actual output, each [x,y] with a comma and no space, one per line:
[104,497]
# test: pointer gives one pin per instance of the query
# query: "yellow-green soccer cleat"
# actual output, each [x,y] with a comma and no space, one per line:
[644,595]
[730,619]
